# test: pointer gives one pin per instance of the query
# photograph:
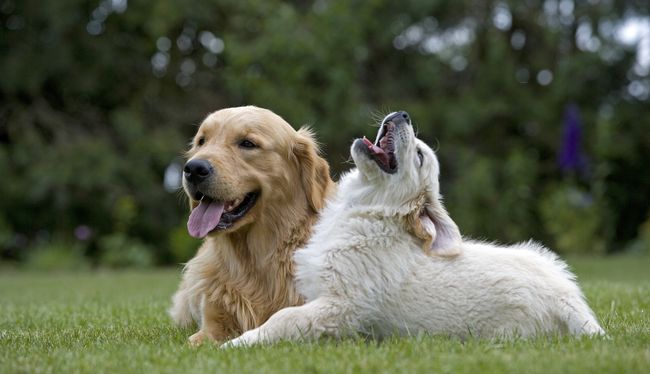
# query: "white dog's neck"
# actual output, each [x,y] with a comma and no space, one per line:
[379,197]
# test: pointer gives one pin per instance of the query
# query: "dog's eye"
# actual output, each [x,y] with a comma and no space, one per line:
[421,157]
[247,144]
[201,141]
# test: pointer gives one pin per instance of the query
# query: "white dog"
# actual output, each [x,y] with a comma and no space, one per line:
[386,258]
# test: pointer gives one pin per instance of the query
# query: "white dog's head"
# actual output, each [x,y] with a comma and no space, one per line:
[398,173]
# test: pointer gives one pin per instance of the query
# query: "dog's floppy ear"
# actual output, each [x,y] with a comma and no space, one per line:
[439,232]
[314,170]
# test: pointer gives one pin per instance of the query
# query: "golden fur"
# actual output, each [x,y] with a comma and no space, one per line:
[242,275]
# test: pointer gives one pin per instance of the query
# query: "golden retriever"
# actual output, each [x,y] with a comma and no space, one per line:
[255,187]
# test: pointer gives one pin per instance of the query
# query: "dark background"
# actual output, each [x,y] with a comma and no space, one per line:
[538,110]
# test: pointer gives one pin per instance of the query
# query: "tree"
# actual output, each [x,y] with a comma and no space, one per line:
[97,99]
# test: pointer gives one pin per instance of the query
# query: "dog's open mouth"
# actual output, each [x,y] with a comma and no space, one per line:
[212,214]
[383,150]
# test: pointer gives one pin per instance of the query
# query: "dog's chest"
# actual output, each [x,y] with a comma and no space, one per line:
[362,259]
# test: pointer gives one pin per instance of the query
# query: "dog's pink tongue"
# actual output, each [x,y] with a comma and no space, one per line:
[378,151]
[204,218]
[375,149]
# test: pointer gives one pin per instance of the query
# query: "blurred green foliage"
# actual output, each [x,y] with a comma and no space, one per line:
[119,251]
[57,255]
[97,98]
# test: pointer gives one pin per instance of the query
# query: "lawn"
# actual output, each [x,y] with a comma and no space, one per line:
[116,322]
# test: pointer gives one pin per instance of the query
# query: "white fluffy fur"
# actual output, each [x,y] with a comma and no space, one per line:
[365,271]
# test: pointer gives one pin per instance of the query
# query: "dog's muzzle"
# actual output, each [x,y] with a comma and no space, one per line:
[397,118]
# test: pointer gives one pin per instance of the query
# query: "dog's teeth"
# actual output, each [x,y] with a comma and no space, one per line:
[232,205]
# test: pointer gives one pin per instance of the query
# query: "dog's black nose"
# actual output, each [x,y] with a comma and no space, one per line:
[196,171]
[398,118]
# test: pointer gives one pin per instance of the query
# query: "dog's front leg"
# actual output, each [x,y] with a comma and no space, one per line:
[306,322]
[214,320]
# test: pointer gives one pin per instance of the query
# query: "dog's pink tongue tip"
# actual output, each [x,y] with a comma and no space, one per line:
[204,218]
[373,148]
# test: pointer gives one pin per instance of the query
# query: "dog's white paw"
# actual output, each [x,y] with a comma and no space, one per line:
[232,344]
[246,339]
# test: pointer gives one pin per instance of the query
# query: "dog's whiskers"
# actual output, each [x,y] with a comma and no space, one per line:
[377,116]
[180,194]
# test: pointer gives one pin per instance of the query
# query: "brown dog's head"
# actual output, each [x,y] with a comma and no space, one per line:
[245,161]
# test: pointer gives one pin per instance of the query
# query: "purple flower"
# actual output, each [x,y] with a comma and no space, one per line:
[83,232]
[570,158]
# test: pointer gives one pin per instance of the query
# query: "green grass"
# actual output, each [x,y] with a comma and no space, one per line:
[117,322]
